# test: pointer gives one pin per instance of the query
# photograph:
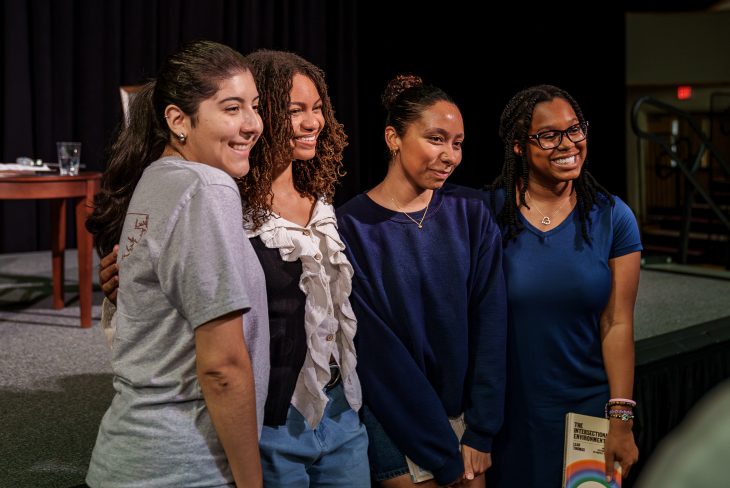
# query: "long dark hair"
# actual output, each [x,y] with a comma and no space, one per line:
[274,72]
[513,127]
[186,78]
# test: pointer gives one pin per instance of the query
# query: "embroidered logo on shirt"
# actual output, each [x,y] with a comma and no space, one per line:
[141,223]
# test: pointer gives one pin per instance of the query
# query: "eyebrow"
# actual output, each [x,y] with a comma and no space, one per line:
[238,99]
[551,127]
[443,132]
[302,104]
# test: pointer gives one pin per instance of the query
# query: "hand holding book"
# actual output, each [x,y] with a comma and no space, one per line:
[620,445]
[584,461]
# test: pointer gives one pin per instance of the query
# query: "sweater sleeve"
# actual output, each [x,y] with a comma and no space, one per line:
[401,397]
[484,397]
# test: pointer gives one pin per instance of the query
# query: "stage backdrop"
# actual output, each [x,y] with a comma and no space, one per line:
[64,60]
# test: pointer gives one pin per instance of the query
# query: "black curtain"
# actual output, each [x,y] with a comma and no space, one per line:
[667,389]
[64,61]
[482,59]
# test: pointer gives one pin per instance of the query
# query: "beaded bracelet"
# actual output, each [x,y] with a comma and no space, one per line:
[624,415]
[623,401]
[615,403]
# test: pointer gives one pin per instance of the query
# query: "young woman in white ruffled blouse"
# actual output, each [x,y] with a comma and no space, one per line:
[312,434]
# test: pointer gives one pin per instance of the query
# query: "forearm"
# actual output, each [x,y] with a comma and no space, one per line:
[230,399]
[618,358]
[617,325]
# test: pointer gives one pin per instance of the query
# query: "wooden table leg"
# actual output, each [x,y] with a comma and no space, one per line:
[58,248]
[85,255]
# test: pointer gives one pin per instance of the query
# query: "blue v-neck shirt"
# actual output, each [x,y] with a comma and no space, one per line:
[557,287]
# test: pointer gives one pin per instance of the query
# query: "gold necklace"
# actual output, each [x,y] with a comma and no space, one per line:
[419,223]
[545,219]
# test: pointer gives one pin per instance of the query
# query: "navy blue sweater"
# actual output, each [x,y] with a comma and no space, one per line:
[431,311]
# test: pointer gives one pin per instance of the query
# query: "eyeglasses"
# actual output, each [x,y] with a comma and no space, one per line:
[550,139]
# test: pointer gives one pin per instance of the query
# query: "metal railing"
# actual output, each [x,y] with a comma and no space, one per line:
[688,166]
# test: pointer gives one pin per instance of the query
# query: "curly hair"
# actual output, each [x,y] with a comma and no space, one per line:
[186,78]
[274,73]
[514,126]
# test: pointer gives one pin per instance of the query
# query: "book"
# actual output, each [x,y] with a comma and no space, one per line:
[584,463]
[418,474]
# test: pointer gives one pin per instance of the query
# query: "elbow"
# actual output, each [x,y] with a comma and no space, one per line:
[223,375]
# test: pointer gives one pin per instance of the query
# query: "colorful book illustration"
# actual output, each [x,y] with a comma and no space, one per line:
[584,464]
[418,474]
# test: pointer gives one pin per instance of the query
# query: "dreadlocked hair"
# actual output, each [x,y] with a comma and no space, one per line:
[274,74]
[514,125]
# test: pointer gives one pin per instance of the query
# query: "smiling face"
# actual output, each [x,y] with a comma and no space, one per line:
[307,119]
[549,167]
[430,149]
[227,126]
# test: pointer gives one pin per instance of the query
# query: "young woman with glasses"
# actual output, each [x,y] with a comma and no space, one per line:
[571,262]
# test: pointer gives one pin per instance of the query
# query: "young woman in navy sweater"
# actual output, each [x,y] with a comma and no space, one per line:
[429,297]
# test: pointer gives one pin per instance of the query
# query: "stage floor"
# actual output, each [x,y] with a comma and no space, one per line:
[668,302]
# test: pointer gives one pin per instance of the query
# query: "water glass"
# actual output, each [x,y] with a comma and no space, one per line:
[69,157]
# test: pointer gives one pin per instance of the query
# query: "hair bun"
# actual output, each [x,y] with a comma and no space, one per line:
[398,85]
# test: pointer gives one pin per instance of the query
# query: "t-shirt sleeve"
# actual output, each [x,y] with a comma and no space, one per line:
[626,238]
[199,267]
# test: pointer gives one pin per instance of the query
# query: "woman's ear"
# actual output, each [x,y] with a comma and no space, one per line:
[176,121]
[392,140]
[517,149]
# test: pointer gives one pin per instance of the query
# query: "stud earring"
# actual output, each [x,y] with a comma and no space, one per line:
[181,137]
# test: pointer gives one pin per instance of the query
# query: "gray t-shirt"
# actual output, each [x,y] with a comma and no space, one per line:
[183,261]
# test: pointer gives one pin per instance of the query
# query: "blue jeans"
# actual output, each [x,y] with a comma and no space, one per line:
[386,460]
[332,455]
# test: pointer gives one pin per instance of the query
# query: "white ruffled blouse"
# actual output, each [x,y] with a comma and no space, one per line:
[328,317]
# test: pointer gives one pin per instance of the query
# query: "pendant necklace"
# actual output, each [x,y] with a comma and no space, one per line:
[419,223]
[545,219]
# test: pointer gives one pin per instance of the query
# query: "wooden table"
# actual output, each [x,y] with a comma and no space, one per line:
[58,189]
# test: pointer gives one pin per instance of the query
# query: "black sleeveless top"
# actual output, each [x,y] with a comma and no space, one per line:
[286,326]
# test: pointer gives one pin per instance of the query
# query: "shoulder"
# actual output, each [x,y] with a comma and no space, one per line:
[475,203]
[206,175]
[323,209]
[617,208]
[621,208]
[178,174]
[451,191]
[355,203]
[464,197]
[357,208]
[495,198]
[623,226]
